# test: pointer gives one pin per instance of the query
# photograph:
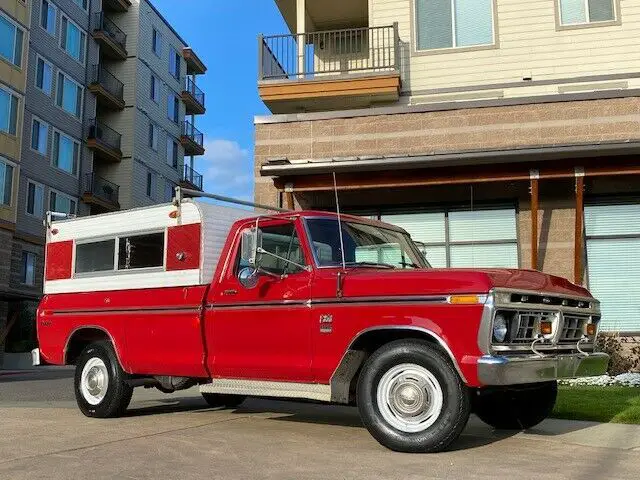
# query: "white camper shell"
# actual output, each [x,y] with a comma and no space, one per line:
[151,247]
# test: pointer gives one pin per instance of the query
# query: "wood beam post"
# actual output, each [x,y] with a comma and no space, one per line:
[579,227]
[534,175]
[288,197]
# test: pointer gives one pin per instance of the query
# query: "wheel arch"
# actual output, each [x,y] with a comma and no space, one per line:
[83,336]
[366,342]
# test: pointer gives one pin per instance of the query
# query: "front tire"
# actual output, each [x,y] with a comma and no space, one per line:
[411,399]
[100,387]
[517,407]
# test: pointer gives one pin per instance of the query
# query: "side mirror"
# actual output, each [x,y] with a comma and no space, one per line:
[248,277]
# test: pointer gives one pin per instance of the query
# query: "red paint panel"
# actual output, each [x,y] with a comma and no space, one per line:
[58,260]
[184,242]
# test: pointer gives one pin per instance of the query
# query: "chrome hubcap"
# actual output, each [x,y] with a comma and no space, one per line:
[94,381]
[410,398]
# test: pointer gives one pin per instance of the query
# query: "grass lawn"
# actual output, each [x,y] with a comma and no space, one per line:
[599,404]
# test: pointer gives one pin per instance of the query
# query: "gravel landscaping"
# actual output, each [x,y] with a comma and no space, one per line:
[622,380]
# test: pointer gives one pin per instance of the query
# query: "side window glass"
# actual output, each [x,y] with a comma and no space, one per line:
[282,244]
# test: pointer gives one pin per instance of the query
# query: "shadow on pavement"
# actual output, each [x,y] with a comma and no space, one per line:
[33,375]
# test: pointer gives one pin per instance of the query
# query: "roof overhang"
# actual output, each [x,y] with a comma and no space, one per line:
[279,167]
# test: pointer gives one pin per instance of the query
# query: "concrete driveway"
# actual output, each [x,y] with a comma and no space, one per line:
[42,435]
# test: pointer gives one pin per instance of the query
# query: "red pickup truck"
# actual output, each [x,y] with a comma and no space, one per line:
[310,305]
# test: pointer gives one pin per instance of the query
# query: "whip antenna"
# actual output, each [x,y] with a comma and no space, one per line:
[335,189]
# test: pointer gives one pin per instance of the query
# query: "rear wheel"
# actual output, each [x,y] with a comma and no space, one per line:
[216,400]
[411,399]
[517,407]
[100,387]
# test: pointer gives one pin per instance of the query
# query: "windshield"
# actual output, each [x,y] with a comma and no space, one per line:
[364,245]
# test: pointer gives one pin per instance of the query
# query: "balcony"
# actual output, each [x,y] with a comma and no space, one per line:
[192,139]
[191,179]
[112,40]
[195,66]
[100,193]
[327,70]
[116,5]
[193,98]
[109,91]
[104,142]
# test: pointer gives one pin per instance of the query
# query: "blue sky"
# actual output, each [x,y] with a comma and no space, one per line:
[224,35]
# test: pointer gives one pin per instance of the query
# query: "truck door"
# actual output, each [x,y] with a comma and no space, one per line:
[263,333]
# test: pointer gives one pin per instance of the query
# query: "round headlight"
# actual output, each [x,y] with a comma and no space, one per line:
[500,328]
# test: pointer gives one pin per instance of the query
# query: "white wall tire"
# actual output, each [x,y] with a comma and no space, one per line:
[100,383]
[410,397]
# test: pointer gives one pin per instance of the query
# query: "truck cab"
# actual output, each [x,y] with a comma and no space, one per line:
[314,305]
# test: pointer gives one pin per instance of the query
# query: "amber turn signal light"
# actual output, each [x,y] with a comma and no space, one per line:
[467,299]
[546,328]
[591,329]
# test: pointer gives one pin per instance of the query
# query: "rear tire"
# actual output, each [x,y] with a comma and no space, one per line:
[517,407]
[100,387]
[216,400]
[411,399]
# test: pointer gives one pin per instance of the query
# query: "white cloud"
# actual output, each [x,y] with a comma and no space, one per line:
[227,169]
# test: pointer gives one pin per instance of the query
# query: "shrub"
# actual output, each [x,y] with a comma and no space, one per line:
[625,356]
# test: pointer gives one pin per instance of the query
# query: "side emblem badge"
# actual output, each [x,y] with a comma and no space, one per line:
[326,323]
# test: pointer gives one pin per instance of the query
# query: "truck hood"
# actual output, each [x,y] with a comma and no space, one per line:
[372,282]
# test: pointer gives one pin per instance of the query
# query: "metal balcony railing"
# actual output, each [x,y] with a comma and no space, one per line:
[102,76]
[105,135]
[193,177]
[188,130]
[333,52]
[101,188]
[191,87]
[103,24]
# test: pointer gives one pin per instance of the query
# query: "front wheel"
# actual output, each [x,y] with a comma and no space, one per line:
[100,386]
[411,399]
[517,407]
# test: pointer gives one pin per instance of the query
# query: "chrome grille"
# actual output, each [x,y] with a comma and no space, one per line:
[573,328]
[527,325]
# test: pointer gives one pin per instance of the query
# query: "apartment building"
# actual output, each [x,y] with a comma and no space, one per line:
[110,99]
[501,133]
[14,36]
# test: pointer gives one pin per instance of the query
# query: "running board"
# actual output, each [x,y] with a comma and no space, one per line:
[260,388]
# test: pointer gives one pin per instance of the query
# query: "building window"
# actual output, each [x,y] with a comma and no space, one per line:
[173,108]
[156,42]
[69,96]
[28,268]
[155,89]
[6,182]
[8,111]
[39,136]
[73,40]
[174,63]
[150,184]
[459,238]
[172,152]
[576,12]
[61,203]
[11,37]
[44,76]
[153,136]
[66,153]
[453,23]
[168,191]
[81,3]
[35,199]
[48,17]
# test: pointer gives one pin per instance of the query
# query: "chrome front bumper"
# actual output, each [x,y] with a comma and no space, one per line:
[499,370]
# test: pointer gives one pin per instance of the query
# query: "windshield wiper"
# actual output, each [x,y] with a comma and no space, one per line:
[370,264]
